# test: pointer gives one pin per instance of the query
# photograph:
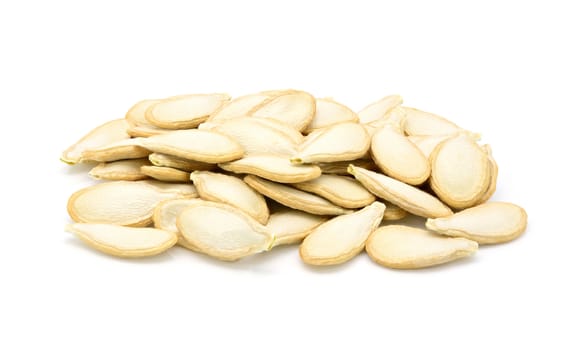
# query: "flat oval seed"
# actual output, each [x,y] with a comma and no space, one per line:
[424,123]
[460,172]
[293,134]
[340,190]
[329,112]
[428,143]
[138,126]
[395,118]
[341,168]
[293,198]
[181,190]
[127,203]
[105,134]
[238,107]
[489,223]
[232,191]
[165,174]
[198,145]
[494,173]
[393,212]
[184,112]
[223,231]
[378,109]
[128,170]
[273,167]
[344,141]
[119,150]
[165,218]
[341,238]
[294,108]
[397,157]
[404,247]
[125,242]
[160,159]
[405,196]
[291,226]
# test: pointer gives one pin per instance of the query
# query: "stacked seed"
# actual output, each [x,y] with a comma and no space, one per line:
[234,177]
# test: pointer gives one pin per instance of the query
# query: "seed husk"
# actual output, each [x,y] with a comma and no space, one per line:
[393,212]
[407,197]
[397,157]
[165,174]
[339,142]
[291,226]
[125,242]
[428,143]
[119,150]
[379,109]
[293,134]
[273,167]
[460,173]
[342,238]
[329,112]
[341,168]
[340,190]
[404,247]
[494,172]
[105,134]
[223,231]
[418,122]
[488,223]
[165,218]
[292,107]
[395,118]
[294,198]
[128,170]
[238,107]
[185,111]
[179,189]
[160,159]
[138,126]
[233,191]
[198,145]
[126,203]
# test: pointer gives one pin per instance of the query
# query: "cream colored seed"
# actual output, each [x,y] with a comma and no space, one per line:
[395,118]
[128,170]
[494,172]
[105,134]
[273,167]
[165,218]
[489,223]
[165,174]
[238,107]
[341,168]
[393,212]
[138,126]
[329,112]
[293,134]
[291,226]
[295,108]
[379,109]
[404,247]
[184,112]
[160,159]
[119,150]
[340,190]
[428,143]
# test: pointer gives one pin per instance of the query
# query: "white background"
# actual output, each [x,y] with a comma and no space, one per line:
[513,70]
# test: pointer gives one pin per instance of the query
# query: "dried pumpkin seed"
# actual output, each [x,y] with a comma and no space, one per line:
[292,107]
[160,159]
[291,226]
[138,126]
[460,173]
[125,242]
[341,168]
[407,197]
[395,118]
[428,143]
[404,247]
[198,145]
[223,231]
[238,107]
[181,190]
[165,218]
[340,190]
[232,191]
[293,134]
[165,174]
[128,170]
[424,123]
[342,238]
[488,223]
[119,150]
[397,157]
[272,167]
[105,134]
[184,112]
[379,109]
[294,198]
[393,212]
[329,112]
[494,172]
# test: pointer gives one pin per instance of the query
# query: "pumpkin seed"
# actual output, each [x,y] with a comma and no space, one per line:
[488,223]
[128,170]
[494,172]
[198,145]
[341,168]
[393,212]
[343,141]
[460,173]
[293,134]
[138,126]
[291,226]
[223,231]
[379,109]
[165,174]
[273,167]
[232,191]
[119,150]
[165,160]
[395,118]
[165,218]
[340,190]
[238,107]
[424,123]
[342,238]
[294,198]
[428,143]
[181,190]
[121,241]
[407,197]
[185,111]
[397,157]
[105,134]
[329,112]
[294,108]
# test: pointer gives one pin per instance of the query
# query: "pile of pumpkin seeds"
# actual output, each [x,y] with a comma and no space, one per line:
[235,177]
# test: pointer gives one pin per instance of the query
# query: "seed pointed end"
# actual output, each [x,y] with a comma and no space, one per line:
[296,161]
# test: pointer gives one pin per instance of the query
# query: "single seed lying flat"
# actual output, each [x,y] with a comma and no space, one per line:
[160,159]
[128,170]
[428,143]
[340,190]
[165,218]
[127,203]
[329,112]
[342,238]
[165,174]
[407,197]
[231,190]
[378,109]
[223,231]
[294,198]
[295,108]
[404,247]
[339,142]
[424,123]
[105,134]
[119,150]
[393,212]
[460,173]
[125,242]
[238,107]
[397,157]
[138,126]
[341,168]
[273,167]
[488,223]
[291,226]
[184,112]
[198,145]
[494,173]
